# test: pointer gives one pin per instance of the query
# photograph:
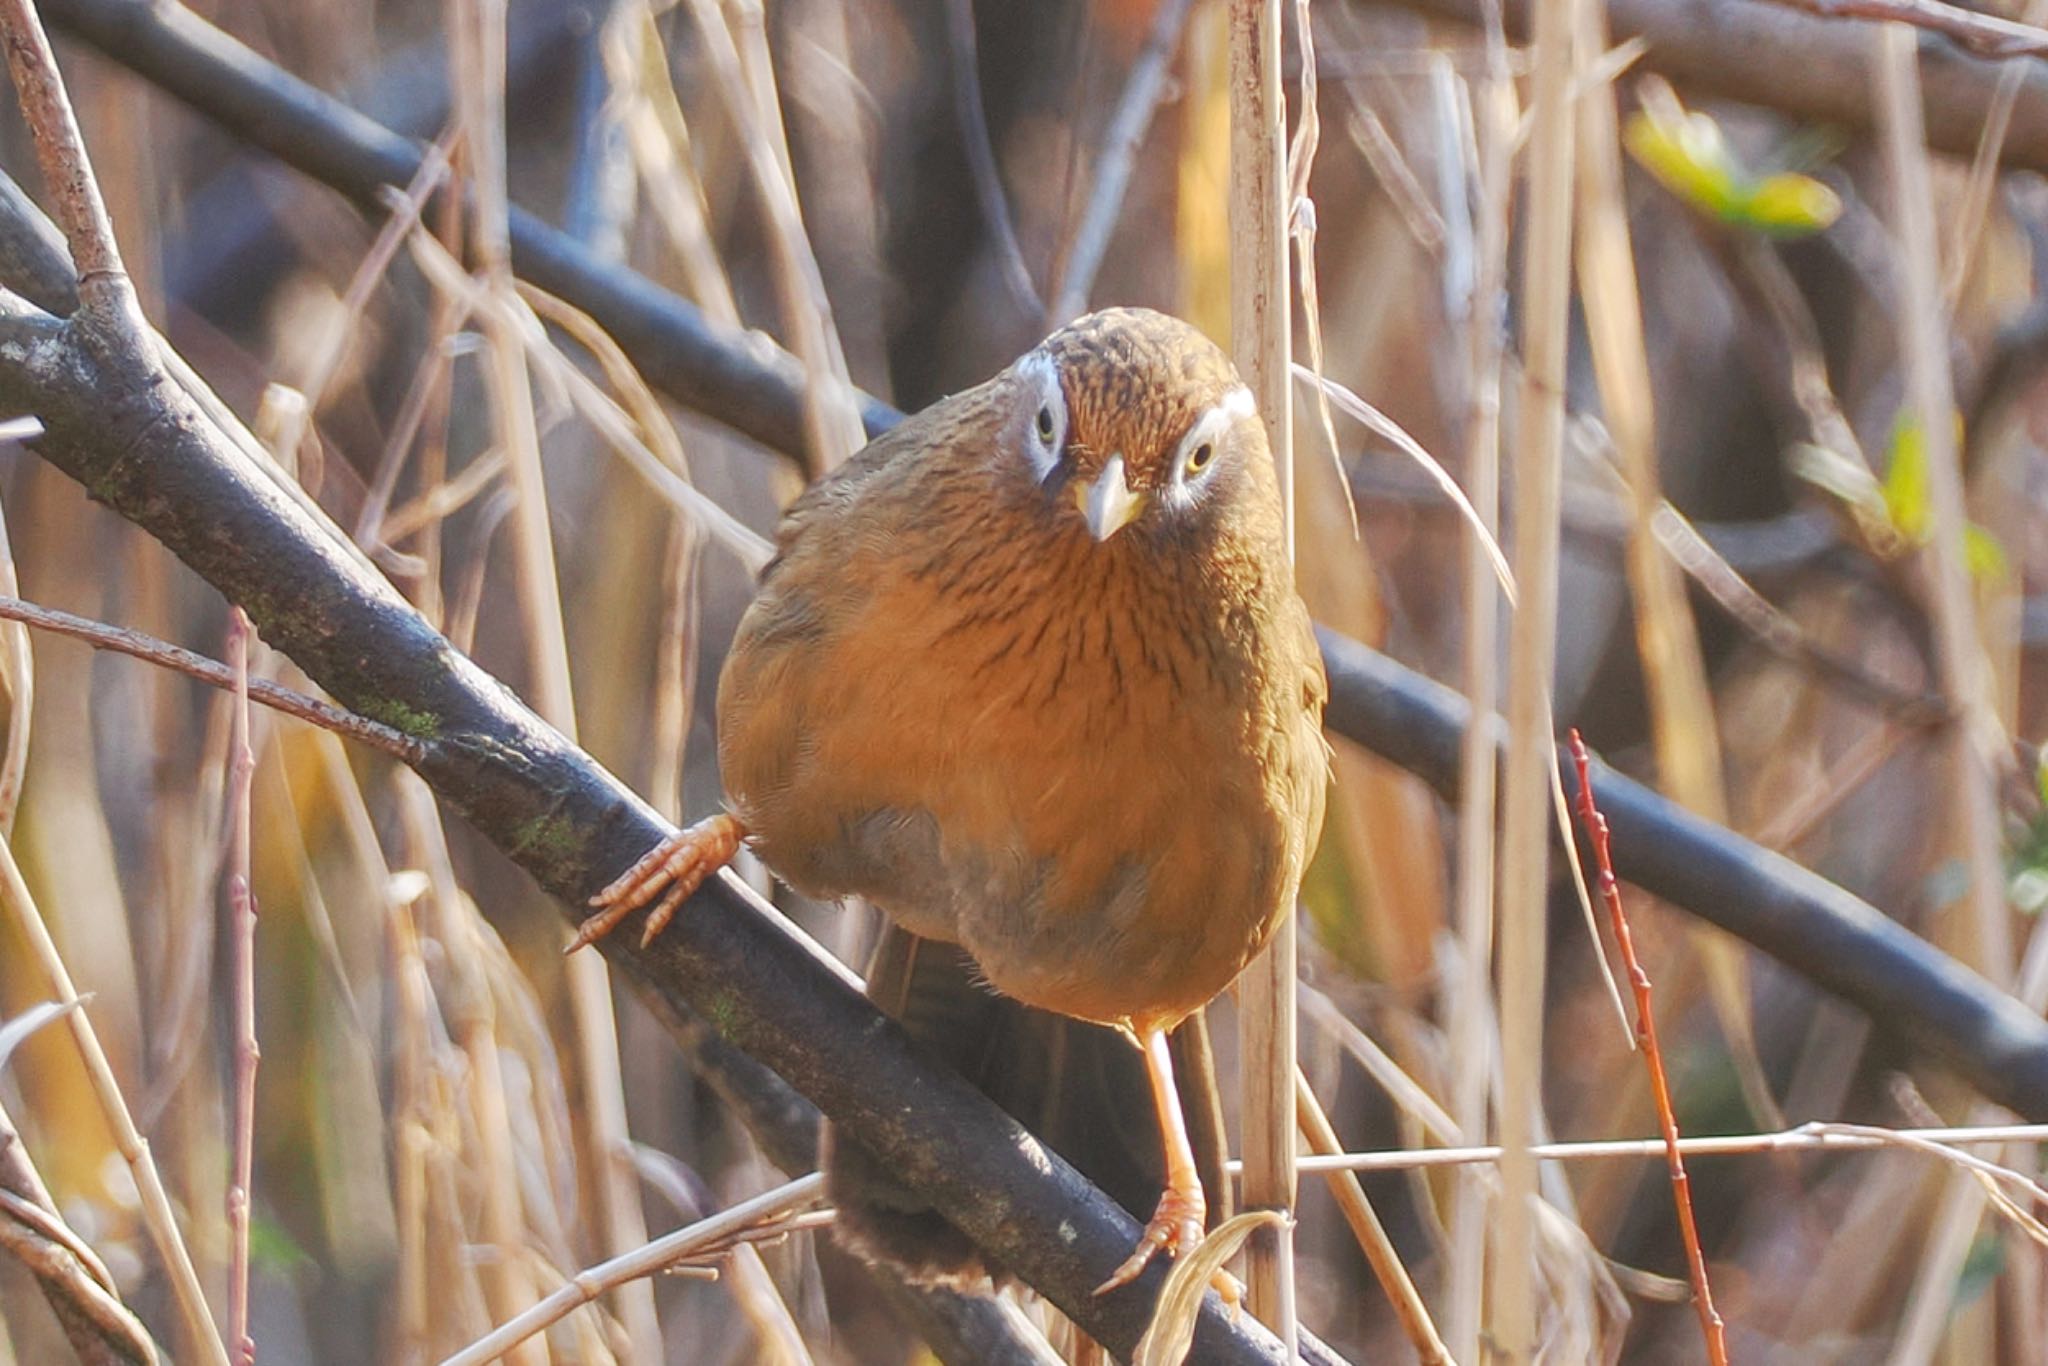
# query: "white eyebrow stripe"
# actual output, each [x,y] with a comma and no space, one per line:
[1235,405]
[1041,377]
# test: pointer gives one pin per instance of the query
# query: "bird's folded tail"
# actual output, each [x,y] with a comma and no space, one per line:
[1080,1087]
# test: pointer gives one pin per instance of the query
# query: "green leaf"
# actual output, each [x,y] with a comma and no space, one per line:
[1905,479]
[1984,555]
[1688,154]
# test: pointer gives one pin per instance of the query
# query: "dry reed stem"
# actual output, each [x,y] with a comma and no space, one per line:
[1975,214]
[429,379]
[1777,631]
[155,1202]
[832,424]
[1683,726]
[176,658]
[241,909]
[1260,340]
[18,678]
[1530,767]
[660,139]
[331,347]
[590,1284]
[472,1021]
[1964,671]
[1474,1046]
[1358,1212]
[1711,1328]
[1406,1093]
[596,407]
[102,1330]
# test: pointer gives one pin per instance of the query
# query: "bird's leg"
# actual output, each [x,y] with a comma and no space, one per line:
[670,870]
[1176,1225]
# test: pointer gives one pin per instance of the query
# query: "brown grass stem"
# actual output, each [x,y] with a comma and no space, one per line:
[157,1217]
[1964,670]
[18,680]
[832,426]
[102,1330]
[1474,1040]
[1711,1328]
[1365,1224]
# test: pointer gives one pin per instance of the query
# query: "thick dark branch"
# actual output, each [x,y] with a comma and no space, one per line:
[138,443]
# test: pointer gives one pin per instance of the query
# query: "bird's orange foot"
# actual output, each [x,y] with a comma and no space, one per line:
[1176,1227]
[670,870]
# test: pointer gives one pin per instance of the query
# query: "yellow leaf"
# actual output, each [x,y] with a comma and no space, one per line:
[1791,205]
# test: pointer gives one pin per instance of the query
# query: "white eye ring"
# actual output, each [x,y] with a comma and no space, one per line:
[1045,429]
[1195,458]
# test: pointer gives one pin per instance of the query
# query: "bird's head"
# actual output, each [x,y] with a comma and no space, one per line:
[1130,418]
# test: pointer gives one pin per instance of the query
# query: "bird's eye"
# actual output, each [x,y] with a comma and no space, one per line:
[1199,458]
[1045,424]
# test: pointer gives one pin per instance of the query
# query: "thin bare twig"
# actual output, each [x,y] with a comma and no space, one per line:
[1779,633]
[981,157]
[177,658]
[1128,124]
[588,1285]
[1653,1058]
[242,932]
[1819,1136]
[1987,35]
[60,154]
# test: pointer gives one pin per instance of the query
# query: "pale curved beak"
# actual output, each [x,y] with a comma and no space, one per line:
[1108,503]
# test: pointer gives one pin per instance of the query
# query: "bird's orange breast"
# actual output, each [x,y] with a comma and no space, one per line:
[1103,789]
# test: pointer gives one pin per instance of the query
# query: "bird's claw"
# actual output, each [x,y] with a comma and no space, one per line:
[1176,1227]
[671,870]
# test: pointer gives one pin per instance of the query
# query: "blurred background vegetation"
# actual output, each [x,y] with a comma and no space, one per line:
[440,1136]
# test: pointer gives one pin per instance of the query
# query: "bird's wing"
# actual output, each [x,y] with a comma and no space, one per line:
[825,502]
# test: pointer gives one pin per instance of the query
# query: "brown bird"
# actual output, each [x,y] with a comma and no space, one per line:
[1029,672]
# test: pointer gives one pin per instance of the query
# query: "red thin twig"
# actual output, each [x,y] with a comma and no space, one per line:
[242,913]
[1653,1058]
[136,645]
